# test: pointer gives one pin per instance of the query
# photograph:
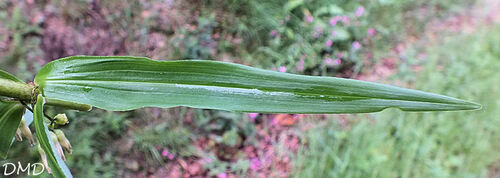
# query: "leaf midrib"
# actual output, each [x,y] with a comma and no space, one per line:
[298,93]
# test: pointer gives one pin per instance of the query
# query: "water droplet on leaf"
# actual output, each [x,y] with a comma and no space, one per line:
[87,89]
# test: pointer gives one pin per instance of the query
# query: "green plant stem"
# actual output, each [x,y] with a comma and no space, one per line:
[17,90]
[25,92]
[31,110]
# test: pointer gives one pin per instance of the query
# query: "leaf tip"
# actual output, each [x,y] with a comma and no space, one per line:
[474,106]
[468,105]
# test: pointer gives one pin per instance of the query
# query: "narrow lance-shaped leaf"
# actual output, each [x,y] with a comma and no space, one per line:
[125,83]
[10,116]
[56,164]
[6,75]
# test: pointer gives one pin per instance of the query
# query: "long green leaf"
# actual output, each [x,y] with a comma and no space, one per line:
[10,117]
[6,75]
[125,83]
[57,165]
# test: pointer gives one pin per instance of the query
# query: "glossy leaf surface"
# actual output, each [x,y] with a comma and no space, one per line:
[126,83]
[11,114]
[57,165]
[10,117]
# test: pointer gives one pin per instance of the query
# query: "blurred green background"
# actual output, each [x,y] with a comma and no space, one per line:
[450,47]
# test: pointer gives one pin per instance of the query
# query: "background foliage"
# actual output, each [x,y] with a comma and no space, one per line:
[431,45]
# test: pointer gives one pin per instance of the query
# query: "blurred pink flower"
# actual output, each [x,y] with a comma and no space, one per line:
[222,175]
[345,19]
[274,122]
[170,156]
[317,32]
[252,116]
[273,33]
[329,43]
[165,153]
[339,55]
[356,45]
[309,19]
[282,69]
[333,22]
[337,61]
[205,160]
[371,31]
[328,60]
[334,33]
[300,64]
[255,164]
[360,11]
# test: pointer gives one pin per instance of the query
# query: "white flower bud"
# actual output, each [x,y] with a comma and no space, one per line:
[63,141]
[18,135]
[26,132]
[57,145]
[44,159]
[61,119]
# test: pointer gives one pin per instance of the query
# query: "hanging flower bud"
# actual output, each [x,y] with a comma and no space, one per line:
[18,135]
[61,119]
[44,159]
[57,145]
[26,132]
[63,141]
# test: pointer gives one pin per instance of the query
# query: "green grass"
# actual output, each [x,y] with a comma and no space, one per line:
[444,144]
